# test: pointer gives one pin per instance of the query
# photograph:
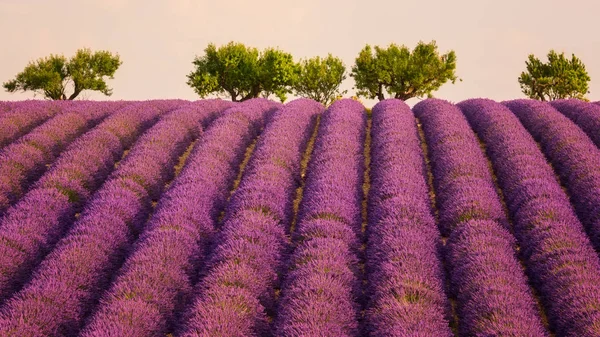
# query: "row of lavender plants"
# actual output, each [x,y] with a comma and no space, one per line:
[82,263]
[404,269]
[31,227]
[157,278]
[491,289]
[558,255]
[585,115]
[319,295]
[240,279]
[573,155]
[24,161]
[26,115]
[5,106]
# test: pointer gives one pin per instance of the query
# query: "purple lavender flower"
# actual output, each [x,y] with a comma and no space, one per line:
[25,116]
[405,276]
[560,260]
[25,160]
[34,224]
[493,297]
[250,249]
[585,115]
[573,155]
[319,294]
[157,276]
[82,263]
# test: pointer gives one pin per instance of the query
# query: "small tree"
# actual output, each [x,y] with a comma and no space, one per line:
[242,72]
[402,73]
[53,75]
[559,78]
[320,79]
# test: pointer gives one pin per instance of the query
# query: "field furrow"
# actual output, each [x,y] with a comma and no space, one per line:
[210,218]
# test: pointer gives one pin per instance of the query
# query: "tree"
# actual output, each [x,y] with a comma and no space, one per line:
[320,79]
[53,75]
[242,72]
[559,78]
[401,73]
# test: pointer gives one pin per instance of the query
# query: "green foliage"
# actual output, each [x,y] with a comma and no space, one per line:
[402,73]
[559,78]
[320,79]
[52,75]
[242,72]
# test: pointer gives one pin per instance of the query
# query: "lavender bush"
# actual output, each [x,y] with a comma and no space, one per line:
[83,262]
[23,161]
[244,267]
[559,257]
[155,279]
[32,226]
[25,116]
[573,155]
[405,275]
[319,294]
[585,115]
[493,297]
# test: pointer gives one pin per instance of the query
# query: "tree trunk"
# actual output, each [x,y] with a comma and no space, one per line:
[404,96]
[254,92]
[73,95]
[380,92]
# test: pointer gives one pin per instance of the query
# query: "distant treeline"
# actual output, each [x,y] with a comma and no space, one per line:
[240,72]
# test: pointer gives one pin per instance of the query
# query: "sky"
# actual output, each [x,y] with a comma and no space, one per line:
[158,40]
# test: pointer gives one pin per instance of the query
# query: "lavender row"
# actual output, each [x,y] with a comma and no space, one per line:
[559,257]
[25,116]
[242,274]
[585,115]
[82,263]
[404,269]
[319,294]
[22,162]
[573,155]
[493,297]
[5,106]
[157,277]
[32,226]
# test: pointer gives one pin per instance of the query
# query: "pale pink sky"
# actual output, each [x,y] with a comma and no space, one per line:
[157,40]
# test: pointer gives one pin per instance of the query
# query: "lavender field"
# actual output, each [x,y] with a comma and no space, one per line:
[212,218]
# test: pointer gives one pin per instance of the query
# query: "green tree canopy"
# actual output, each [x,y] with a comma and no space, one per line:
[53,75]
[242,72]
[559,78]
[402,73]
[320,79]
